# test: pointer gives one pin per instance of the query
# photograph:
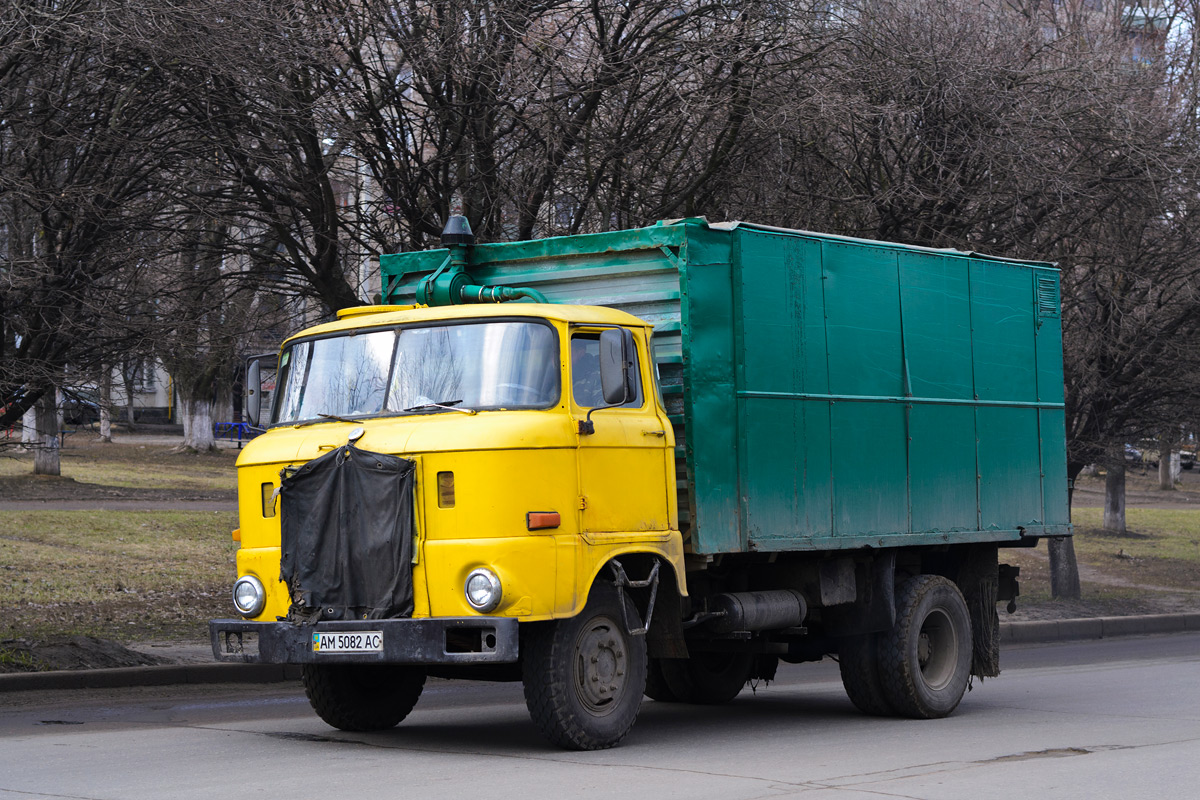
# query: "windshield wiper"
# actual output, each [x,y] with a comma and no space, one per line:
[448,405]
[324,418]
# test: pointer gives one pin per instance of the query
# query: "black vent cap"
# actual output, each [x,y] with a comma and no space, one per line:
[457,231]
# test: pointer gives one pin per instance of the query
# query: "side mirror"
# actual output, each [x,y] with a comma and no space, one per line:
[253,405]
[617,360]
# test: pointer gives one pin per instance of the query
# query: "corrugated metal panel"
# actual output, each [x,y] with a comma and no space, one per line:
[639,274]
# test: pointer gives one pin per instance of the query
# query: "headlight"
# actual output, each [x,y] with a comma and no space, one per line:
[249,596]
[483,590]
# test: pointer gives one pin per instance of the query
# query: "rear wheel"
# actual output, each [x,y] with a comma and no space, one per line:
[656,685]
[584,677]
[858,660]
[707,678]
[925,659]
[362,697]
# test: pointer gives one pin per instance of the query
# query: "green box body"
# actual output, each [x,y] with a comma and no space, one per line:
[827,392]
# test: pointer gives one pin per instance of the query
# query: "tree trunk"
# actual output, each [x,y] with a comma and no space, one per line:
[1064,569]
[1114,499]
[127,378]
[46,453]
[29,427]
[197,424]
[106,404]
[1166,480]
[1064,572]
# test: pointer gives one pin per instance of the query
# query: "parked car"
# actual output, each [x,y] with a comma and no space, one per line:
[1187,458]
[1132,455]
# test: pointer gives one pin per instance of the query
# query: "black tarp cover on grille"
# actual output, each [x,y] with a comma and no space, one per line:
[347,531]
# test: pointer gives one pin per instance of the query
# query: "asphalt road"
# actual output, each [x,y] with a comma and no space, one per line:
[1117,718]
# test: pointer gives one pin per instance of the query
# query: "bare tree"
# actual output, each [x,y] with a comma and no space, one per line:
[81,144]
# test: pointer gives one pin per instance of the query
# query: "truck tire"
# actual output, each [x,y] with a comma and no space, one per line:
[858,660]
[584,677]
[707,678]
[925,659]
[362,697]
[656,685]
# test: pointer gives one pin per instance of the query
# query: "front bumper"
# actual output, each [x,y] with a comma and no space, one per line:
[446,640]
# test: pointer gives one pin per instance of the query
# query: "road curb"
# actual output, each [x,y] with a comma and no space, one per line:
[148,676]
[1049,630]
[1064,630]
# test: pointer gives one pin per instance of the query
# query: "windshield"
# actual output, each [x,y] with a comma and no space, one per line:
[468,365]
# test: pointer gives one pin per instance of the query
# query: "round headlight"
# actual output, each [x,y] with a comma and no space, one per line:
[483,590]
[249,596]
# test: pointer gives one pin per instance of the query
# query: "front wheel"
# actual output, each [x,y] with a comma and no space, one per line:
[925,659]
[584,677]
[362,697]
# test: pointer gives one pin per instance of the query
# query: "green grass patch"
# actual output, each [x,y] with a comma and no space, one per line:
[1153,533]
[124,575]
[13,659]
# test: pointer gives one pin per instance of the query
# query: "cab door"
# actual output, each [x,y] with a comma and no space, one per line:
[622,469]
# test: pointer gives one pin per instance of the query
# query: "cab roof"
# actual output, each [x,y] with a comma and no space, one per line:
[382,316]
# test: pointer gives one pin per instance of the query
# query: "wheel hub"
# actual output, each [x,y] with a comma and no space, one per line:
[602,663]
[937,650]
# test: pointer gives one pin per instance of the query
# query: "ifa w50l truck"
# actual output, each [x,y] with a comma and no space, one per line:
[652,462]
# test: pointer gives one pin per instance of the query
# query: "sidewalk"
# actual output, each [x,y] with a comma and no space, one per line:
[1062,630]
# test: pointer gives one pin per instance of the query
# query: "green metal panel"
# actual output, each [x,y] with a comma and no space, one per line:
[1052,426]
[1002,318]
[785,448]
[785,471]
[862,313]
[1010,485]
[870,479]
[935,305]
[934,298]
[711,403]
[863,333]
[942,468]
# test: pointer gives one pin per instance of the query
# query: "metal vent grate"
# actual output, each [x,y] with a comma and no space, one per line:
[1047,296]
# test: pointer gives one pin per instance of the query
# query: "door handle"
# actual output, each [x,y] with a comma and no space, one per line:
[654,433]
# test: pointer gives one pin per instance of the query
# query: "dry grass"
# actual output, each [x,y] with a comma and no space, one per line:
[87,461]
[120,575]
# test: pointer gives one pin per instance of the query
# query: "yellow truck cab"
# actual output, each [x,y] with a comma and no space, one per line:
[489,408]
[652,462]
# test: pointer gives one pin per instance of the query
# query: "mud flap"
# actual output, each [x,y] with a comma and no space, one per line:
[978,579]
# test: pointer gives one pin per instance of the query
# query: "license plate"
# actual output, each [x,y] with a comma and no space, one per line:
[348,642]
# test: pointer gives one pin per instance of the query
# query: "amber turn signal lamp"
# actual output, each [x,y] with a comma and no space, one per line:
[268,499]
[538,520]
[237,534]
[445,483]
